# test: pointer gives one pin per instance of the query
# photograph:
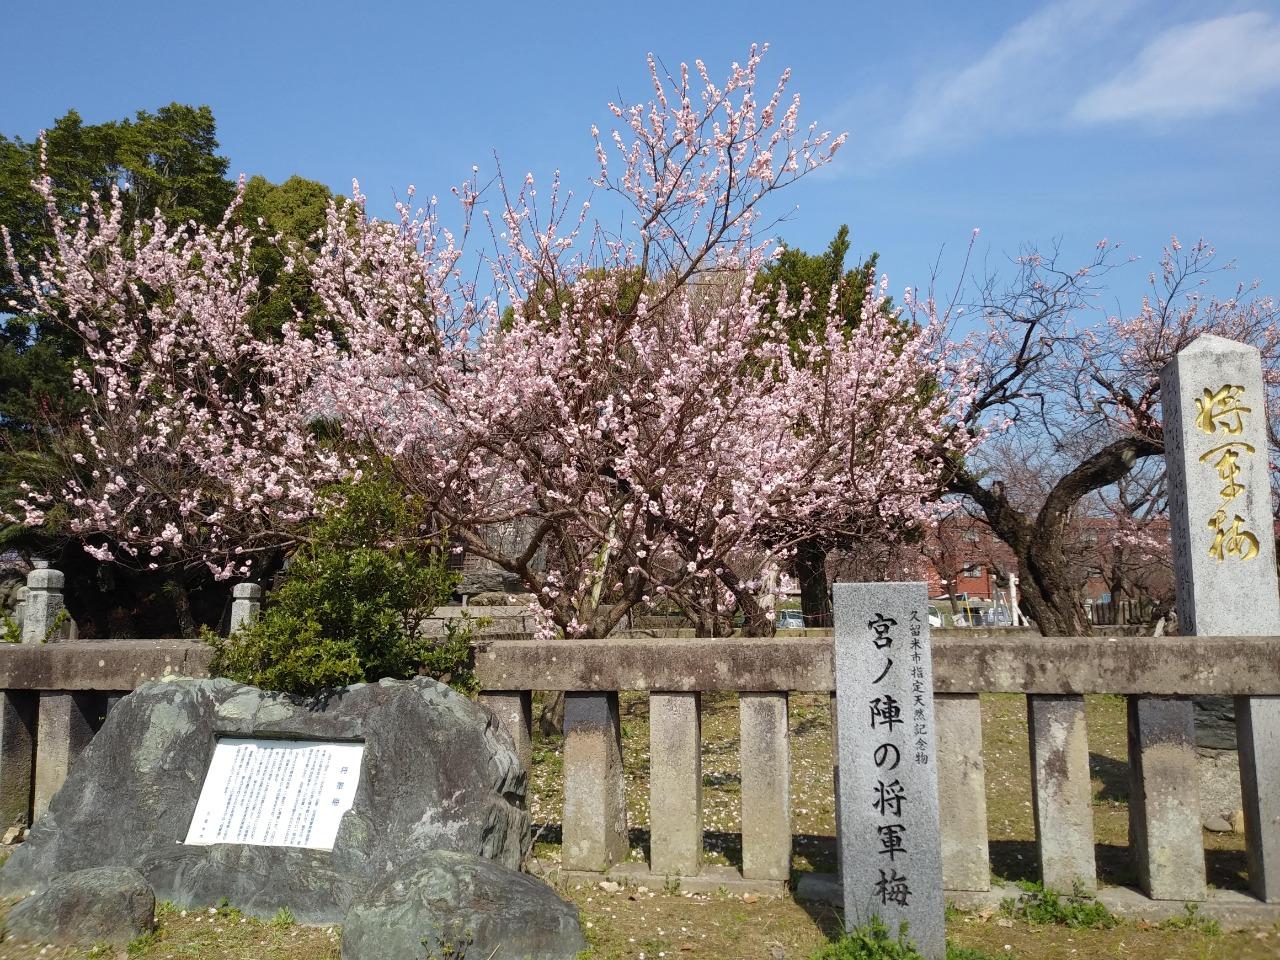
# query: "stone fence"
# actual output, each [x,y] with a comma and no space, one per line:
[53,696]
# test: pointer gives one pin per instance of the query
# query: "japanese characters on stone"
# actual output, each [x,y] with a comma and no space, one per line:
[890,845]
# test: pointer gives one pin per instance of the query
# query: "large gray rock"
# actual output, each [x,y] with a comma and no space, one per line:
[111,904]
[438,774]
[1215,722]
[458,906]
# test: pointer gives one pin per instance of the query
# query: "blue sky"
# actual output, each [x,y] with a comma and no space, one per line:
[1077,119]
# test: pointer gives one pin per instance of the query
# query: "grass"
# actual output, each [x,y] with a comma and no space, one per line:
[665,923]
[1039,906]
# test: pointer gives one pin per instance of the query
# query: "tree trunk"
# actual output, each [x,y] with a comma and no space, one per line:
[551,716]
[1049,594]
[1049,597]
[811,571]
[181,600]
[951,598]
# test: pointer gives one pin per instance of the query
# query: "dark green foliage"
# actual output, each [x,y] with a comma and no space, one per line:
[294,210]
[820,273]
[1041,906]
[166,160]
[350,606]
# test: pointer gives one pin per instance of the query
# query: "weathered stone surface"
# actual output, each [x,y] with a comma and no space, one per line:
[595,808]
[1164,799]
[962,792]
[246,602]
[1224,557]
[438,773]
[63,730]
[765,758]
[17,756]
[1215,403]
[1062,792]
[1215,722]
[100,665]
[488,581]
[451,905]
[514,710]
[43,620]
[890,846]
[964,662]
[102,904]
[1258,731]
[675,784]
[500,600]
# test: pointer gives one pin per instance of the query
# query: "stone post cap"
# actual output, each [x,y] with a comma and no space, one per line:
[1212,343]
[247,591]
[45,578]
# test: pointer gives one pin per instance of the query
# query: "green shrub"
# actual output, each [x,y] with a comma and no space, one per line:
[351,604]
[1191,919]
[1041,906]
[873,942]
[970,953]
[870,942]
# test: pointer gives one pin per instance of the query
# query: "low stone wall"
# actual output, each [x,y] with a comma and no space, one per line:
[53,694]
[964,662]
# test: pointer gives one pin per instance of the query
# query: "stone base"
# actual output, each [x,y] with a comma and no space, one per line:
[1233,909]
[712,879]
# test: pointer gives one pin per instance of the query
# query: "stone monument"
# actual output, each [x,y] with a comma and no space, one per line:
[890,837]
[390,797]
[1216,452]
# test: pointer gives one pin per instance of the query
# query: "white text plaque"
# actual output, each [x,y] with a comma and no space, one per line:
[276,793]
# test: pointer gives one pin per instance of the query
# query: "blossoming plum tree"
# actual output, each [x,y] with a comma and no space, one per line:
[1082,396]
[637,428]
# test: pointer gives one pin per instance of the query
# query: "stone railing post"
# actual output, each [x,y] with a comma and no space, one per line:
[595,809]
[764,751]
[1062,793]
[675,784]
[17,756]
[20,608]
[246,603]
[65,724]
[1224,561]
[962,781]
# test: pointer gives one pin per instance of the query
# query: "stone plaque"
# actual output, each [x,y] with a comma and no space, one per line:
[276,793]
[890,838]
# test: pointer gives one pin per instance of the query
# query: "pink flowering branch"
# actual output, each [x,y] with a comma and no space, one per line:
[637,431]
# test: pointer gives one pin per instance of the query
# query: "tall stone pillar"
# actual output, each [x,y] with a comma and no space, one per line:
[1224,563]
